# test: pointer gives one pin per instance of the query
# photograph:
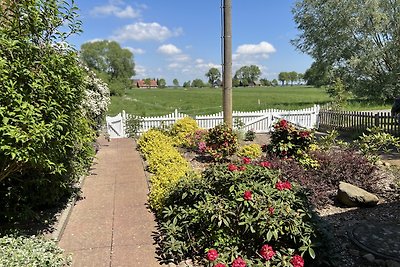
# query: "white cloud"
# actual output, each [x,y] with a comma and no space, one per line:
[262,48]
[112,9]
[136,51]
[141,71]
[142,31]
[169,49]
[128,12]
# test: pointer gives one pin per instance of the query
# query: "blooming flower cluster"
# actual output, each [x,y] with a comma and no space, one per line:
[283,185]
[238,262]
[232,167]
[282,124]
[246,160]
[212,255]
[266,164]
[267,252]
[297,261]
[247,195]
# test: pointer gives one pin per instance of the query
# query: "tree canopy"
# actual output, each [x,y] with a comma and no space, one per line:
[213,76]
[113,64]
[358,41]
[247,75]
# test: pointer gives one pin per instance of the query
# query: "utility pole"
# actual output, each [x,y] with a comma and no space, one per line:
[227,63]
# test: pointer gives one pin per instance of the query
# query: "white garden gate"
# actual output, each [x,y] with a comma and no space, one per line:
[257,121]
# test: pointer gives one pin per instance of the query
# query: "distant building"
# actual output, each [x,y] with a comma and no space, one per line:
[143,84]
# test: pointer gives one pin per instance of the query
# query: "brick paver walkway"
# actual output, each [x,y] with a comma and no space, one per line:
[110,225]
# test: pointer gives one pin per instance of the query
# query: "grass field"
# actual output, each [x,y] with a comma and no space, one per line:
[153,102]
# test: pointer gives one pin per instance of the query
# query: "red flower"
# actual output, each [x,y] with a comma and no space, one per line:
[238,262]
[242,168]
[267,252]
[212,255]
[220,265]
[283,124]
[283,185]
[247,195]
[246,160]
[297,261]
[265,164]
[304,134]
[232,167]
[271,210]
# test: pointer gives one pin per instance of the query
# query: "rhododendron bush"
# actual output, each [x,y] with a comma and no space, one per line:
[238,214]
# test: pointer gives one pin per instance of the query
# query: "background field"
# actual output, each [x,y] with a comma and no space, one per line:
[194,101]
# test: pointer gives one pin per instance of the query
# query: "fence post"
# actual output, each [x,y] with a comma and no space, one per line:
[176,115]
[376,121]
[123,123]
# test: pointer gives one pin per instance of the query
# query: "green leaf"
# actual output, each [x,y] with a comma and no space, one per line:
[311,252]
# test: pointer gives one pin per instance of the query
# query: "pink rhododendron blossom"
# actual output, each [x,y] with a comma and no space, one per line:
[304,134]
[246,160]
[238,262]
[267,252]
[220,265]
[297,261]
[232,167]
[247,195]
[202,147]
[212,255]
[242,168]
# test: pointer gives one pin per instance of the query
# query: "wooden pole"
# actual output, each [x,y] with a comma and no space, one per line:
[227,63]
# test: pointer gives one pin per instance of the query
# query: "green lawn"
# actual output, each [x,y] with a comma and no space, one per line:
[154,102]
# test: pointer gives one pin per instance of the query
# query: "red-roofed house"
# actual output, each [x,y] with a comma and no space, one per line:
[143,84]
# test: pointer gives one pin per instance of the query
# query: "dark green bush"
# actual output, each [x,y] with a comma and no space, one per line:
[238,210]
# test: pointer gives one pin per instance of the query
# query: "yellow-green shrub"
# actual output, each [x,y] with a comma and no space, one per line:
[165,162]
[183,128]
[250,151]
[153,140]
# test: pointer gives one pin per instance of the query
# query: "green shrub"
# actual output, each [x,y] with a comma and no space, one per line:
[133,125]
[250,135]
[238,210]
[221,142]
[251,151]
[31,252]
[164,162]
[182,129]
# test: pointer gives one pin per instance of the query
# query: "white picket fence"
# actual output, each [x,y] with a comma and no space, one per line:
[258,121]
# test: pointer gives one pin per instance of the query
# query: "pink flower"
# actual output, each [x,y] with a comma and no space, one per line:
[212,255]
[297,261]
[304,134]
[232,167]
[271,210]
[202,147]
[265,164]
[247,195]
[267,252]
[220,265]
[238,262]
[246,160]
[283,185]
[242,168]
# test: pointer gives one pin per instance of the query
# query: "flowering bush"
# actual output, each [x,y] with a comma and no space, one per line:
[153,140]
[239,211]
[250,151]
[287,141]
[197,140]
[183,128]
[221,142]
[250,135]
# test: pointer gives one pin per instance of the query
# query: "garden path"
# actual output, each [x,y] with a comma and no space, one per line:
[110,225]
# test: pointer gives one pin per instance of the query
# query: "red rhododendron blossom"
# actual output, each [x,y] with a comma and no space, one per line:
[297,261]
[246,160]
[267,252]
[283,124]
[265,164]
[232,167]
[283,185]
[271,210]
[238,262]
[247,195]
[242,168]
[304,134]
[212,255]
[220,265]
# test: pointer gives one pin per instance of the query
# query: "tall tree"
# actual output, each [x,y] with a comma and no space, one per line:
[358,40]
[283,77]
[198,83]
[293,76]
[248,74]
[213,76]
[112,63]
[175,82]
[161,83]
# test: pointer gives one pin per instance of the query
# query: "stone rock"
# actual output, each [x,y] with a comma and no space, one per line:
[392,263]
[353,196]
[380,262]
[369,257]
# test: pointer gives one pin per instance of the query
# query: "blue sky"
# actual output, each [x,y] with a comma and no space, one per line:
[182,38]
